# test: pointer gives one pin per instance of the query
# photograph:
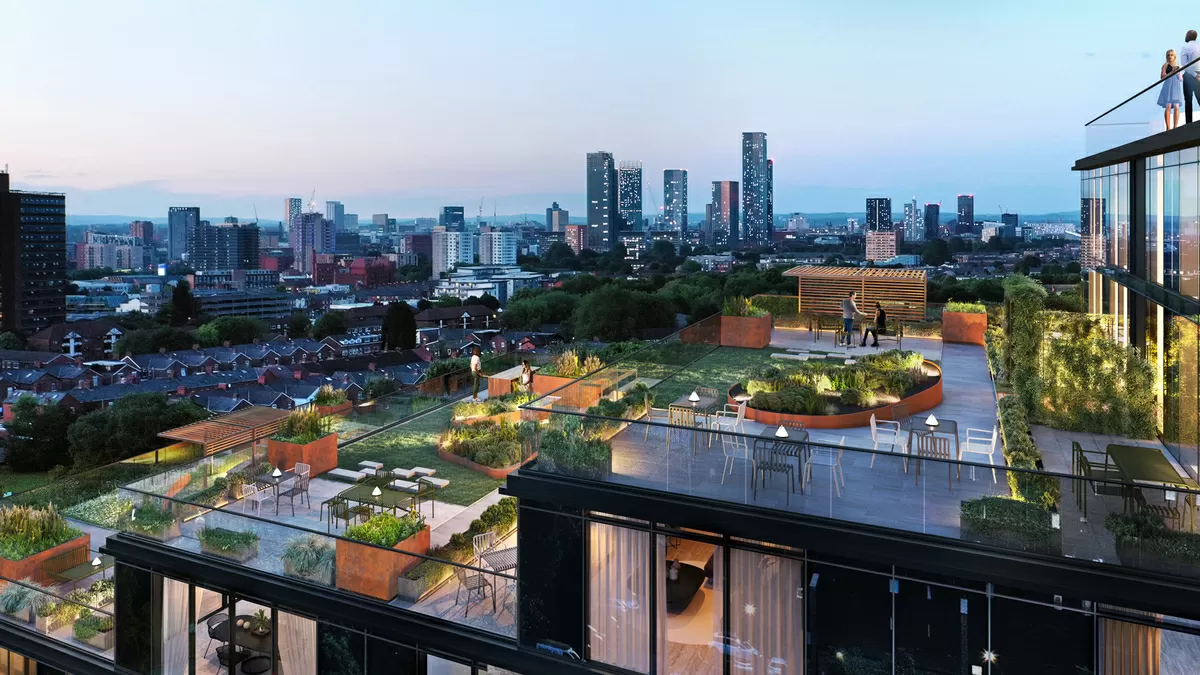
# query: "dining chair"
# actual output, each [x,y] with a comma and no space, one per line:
[263,495]
[708,392]
[299,488]
[483,543]
[249,494]
[773,459]
[339,509]
[683,422]
[1166,512]
[472,581]
[934,447]
[980,442]
[886,434]
[214,630]
[230,659]
[656,415]
[734,445]
[819,456]
[302,469]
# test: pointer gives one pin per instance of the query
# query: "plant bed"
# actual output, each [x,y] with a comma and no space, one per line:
[22,600]
[336,409]
[500,518]
[1144,542]
[154,521]
[569,452]
[371,568]
[95,631]
[964,327]
[37,542]
[492,449]
[54,614]
[1010,524]
[235,545]
[497,473]
[312,558]
[321,454]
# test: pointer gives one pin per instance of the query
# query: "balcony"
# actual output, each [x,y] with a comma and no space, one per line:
[897,480]
[1135,119]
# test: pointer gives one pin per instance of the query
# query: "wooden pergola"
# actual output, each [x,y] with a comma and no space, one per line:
[901,292]
[248,425]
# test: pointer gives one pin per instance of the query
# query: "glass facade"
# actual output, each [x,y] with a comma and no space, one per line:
[1173,221]
[1104,217]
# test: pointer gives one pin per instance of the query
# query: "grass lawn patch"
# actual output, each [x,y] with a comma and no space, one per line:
[19,482]
[414,444]
[720,370]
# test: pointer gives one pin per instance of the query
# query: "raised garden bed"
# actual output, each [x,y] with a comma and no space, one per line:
[336,409]
[964,327]
[500,518]
[1010,524]
[751,332]
[95,631]
[236,545]
[321,455]
[373,570]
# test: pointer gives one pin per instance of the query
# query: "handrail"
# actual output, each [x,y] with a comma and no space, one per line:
[1155,84]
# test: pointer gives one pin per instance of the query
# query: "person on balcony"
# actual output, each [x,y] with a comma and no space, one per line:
[1171,96]
[849,314]
[1191,73]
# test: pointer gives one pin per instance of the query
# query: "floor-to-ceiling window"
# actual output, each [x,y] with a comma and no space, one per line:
[1105,216]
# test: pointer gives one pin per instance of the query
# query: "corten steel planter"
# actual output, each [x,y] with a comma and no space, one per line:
[321,454]
[752,332]
[964,328]
[374,571]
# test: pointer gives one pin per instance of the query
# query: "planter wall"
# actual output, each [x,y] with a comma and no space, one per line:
[919,402]
[75,552]
[373,571]
[1051,545]
[963,328]
[321,454]
[334,409]
[752,332]
[495,474]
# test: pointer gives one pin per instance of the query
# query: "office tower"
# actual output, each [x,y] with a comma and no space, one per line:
[755,188]
[602,200]
[932,227]
[451,216]
[379,222]
[770,198]
[450,249]
[181,220]
[675,200]
[911,219]
[335,212]
[723,222]
[350,222]
[1012,223]
[292,206]
[33,259]
[497,248]
[227,246]
[144,230]
[420,244]
[557,218]
[966,213]
[880,245]
[629,196]
[576,237]
[879,214]
[312,234]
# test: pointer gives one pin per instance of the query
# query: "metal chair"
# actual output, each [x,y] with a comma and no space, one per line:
[682,420]
[980,442]
[659,415]
[262,495]
[302,469]
[708,392]
[818,456]
[935,447]
[229,660]
[299,488]
[214,623]
[472,581]
[339,509]
[483,543]
[1162,511]
[886,433]
[249,494]
[772,459]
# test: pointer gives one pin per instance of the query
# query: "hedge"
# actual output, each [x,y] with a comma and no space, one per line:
[500,518]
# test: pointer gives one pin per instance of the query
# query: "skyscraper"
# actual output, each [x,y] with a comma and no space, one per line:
[675,200]
[33,259]
[629,196]
[756,229]
[228,246]
[1011,219]
[932,227]
[450,249]
[770,198]
[723,221]
[911,218]
[497,248]
[292,206]
[144,229]
[879,214]
[452,216]
[181,220]
[380,222]
[556,218]
[1093,212]
[335,213]
[602,200]
[966,213]
[311,235]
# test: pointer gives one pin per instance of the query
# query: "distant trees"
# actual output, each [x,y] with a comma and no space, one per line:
[937,252]
[613,313]
[128,427]
[447,301]
[11,340]
[153,340]
[488,300]
[298,325]
[37,439]
[330,323]
[399,327]
[236,330]
[530,312]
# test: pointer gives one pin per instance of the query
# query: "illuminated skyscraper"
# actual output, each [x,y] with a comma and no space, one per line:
[629,196]
[879,214]
[911,220]
[723,218]
[602,200]
[756,187]
[933,212]
[291,211]
[675,200]
[181,220]
[966,213]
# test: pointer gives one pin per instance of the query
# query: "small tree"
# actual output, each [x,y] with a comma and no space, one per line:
[331,323]
[232,329]
[11,340]
[488,300]
[183,303]
[298,325]
[37,436]
[399,327]
[447,301]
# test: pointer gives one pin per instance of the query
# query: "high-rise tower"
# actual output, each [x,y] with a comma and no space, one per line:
[675,200]
[756,228]
[602,200]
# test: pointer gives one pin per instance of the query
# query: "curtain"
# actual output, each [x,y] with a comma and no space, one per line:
[297,644]
[175,625]
[1129,648]
[766,607]
[618,596]
[661,642]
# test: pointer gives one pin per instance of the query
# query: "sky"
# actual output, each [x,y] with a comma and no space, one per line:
[400,106]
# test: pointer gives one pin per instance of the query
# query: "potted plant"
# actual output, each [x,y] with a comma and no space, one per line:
[1144,541]
[330,401]
[304,436]
[744,325]
[154,521]
[260,623]
[310,557]
[239,545]
[372,556]
[22,600]
[964,322]
[96,631]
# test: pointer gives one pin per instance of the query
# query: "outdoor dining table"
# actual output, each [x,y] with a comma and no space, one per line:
[1150,467]
[84,570]
[705,407]
[275,481]
[500,560]
[793,446]
[388,498]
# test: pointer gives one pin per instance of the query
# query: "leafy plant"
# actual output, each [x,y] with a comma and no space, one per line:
[446,367]
[741,306]
[796,400]
[311,556]
[328,396]
[1151,535]
[90,626]
[303,426]
[575,453]
[965,307]
[499,518]
[377,387]
[19,597]
[106,510]
[493,406]
[861,398]
[385,529]
[26,530]
[1003,516]
[150,518]
[222,539]
[259,621]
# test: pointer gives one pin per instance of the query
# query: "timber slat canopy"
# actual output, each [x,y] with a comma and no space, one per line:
[822,289]
[221,433]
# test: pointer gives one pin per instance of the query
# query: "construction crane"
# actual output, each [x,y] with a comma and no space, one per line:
[479,216]
[256,214]
[312,201]
[653,200]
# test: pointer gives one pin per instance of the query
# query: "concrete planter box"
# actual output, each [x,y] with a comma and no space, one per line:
[410,590]
[374,571]
[31,567]
[751,332]
[321,454]
[238,555]
[338,409]
[167,534]
[102,640]
[963,328]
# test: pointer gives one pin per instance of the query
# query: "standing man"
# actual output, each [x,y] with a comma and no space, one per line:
[1191,85]
[476,372]
[849,313]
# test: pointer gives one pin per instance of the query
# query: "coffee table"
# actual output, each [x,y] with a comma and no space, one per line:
[684,587]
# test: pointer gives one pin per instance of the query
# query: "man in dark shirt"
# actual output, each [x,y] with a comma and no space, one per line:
[880,327]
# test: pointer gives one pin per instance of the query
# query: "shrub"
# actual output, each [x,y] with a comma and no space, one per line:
[862,398]
[150,518]
[574,452]
[487,443]
[222,539]
[1020,452]
[740,306]
[965,307]
[26,530]
[90,626]
[378,387]
[385,529]
[329,396]
[107,510]
[1001,516]
[303,426]
[19,597]
[446,367]
[795,401]
[493,406]
[898,382]
[1151,535]
[310,555]
[211,494]
[499,518]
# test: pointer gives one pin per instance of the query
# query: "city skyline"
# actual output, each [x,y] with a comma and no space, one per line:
[388,154]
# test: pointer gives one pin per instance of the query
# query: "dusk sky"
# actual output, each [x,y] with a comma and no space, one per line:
[399,107]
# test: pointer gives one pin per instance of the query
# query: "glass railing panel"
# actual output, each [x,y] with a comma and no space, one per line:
[78,614]
[1139,117]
